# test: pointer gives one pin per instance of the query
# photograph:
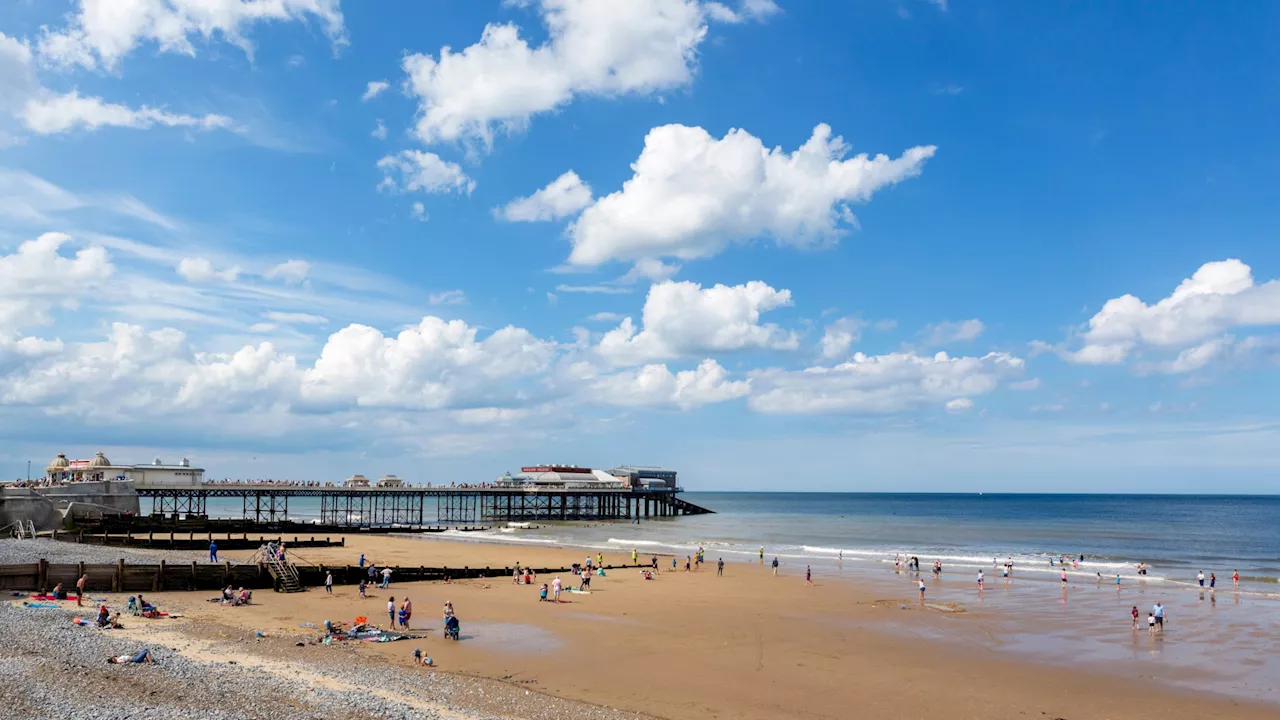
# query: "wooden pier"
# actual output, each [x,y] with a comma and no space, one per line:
[424,506]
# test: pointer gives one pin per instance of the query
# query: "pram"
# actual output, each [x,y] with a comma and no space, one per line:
[451,628]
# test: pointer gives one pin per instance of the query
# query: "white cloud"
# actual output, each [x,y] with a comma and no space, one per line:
[37,278]
[840,335]
[296,318]
[104,31]
[565,196]
[959,405]
[448,297]
[1220,296]
[683,318]
[1192,358]
[198,269]
[425,171]
[692,194]
[655,385]
[606,317]
[291,272]
[374,89]
[602,49]
[379,131]
[1026,385]
[28,199]
[880,383]
[758,10]
[948,332]
[593,289]
[59,113]
[418,211]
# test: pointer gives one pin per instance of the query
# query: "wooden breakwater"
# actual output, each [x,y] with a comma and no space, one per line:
[165,576]
[198,541]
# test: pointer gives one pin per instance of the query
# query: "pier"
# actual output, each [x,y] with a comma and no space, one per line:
[422,506]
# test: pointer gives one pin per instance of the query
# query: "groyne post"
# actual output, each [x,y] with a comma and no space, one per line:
[118,581]
[43,580]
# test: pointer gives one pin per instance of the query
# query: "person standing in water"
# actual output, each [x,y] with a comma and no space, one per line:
[808,575]
[1200,578]
[1213,582]
[921,590]
[761,554]
[1235,579]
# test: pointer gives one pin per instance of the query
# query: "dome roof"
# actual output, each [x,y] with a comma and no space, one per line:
[60,461]
[99,460]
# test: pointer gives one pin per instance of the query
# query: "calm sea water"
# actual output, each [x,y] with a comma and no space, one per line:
[1175,535]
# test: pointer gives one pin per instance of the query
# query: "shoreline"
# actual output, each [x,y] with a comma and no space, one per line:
[745,645]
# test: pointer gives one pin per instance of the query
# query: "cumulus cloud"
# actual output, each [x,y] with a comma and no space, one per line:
[565,196]
[38,277]
[656,385]
[880,383]
[44,112]
[839,336]
[291,272]
[1218,297]
[418,211]
[102,32]
[423,171]
[379,131]
[959,405]
[198,269]
[692,194]
[757,10]
[374,89]
[602,49]
[944,333]
[683,318]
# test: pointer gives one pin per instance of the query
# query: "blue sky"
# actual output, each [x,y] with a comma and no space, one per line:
[304,239]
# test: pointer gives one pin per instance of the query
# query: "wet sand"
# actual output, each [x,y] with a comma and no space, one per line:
[749,645]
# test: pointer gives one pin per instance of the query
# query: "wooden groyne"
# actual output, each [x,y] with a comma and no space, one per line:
[165,576]
[192,540]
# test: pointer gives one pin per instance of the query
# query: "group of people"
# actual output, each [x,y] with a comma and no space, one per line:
[233,597]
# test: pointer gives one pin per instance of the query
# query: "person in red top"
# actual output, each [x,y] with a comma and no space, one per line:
[1134,613]
[1235,579]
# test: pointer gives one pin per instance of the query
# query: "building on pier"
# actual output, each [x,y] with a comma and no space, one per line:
[560,477]
[646,476]
[99,468]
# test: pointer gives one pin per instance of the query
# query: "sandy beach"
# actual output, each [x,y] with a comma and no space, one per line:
[687,645]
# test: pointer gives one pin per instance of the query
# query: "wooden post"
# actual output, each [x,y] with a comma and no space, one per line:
[118,582]
[194,577]
[43,580]
[157,582]
[226,572]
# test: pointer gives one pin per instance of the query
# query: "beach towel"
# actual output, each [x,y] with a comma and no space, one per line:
[576,591]
[43,597]
[40,605]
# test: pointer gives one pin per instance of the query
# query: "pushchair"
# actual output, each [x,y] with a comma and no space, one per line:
[451,628]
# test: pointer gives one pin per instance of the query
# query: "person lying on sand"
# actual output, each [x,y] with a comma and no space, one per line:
[143,656]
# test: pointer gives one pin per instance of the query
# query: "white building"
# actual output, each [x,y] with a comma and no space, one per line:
[99,468]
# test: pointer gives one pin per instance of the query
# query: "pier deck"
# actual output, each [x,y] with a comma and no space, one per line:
[419,506]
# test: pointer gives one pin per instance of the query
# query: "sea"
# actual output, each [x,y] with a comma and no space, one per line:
[1176,536]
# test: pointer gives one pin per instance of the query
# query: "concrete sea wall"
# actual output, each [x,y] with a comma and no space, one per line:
[47,507]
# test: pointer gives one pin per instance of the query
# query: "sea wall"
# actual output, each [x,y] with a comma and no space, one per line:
[48,507]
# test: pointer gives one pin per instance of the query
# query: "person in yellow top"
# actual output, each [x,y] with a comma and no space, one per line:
[599,559]
[633,556]
[762,555]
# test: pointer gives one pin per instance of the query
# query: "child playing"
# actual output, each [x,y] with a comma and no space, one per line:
[363,587]
[1151,623]
[542,593]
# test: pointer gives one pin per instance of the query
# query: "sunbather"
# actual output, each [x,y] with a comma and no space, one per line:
[143,656]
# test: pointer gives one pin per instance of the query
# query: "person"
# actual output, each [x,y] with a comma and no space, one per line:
[921,590]
[585,582]
[1117,582]
[373,574]
[386,578]
[556,585]
[244,597]
[687,563]
[363,587]
[1213,581]
[516,576]
[1135,614]
[361,560]
[775,567]
[673,563]
[720,567]
[406,613]
[542,593]
[979,579]
[1200,578]
[103,616]
[761,554]
[528,576]
[80,590]
[633,556]
[1006,573]
[391,610]
[1158,611]
[1064,578]
[808,575]
[654,563]
[417,656]
[213,551]
[401,620]
[143,656]
[448,609]
[132,607]
[59,593]
[328,583]
[600,559]
[1151,623]
[1235,579]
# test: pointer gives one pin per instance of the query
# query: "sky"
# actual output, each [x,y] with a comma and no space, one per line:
[775,245]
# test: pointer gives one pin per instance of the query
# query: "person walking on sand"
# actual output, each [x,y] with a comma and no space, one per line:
[1158,612]
[556,586]
[363,588]
[361,560]
[328,583]
[720,567]
[634,555]
[386,578]
[600,560]
[921,582]
[1136,615]
[80,590]
[213,551]
[406,612]
[761,554]
[391,611]
[775,567]
[808,575]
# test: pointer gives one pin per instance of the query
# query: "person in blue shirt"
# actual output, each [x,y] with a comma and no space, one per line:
[361,559]
[1158,611]
[213,552]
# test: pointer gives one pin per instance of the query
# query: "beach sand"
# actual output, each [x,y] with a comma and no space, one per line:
[691,645]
